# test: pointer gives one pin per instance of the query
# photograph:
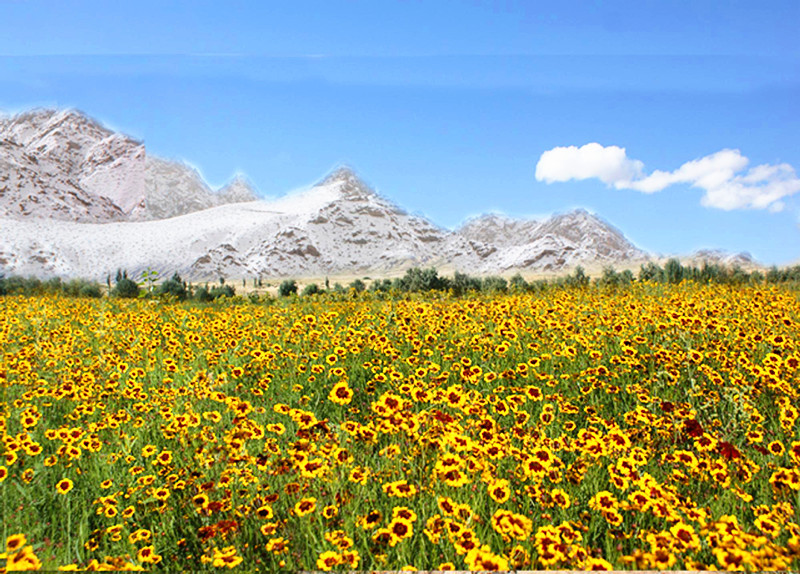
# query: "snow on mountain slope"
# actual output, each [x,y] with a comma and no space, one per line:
[61,164]
[720,257]
[499,230]
[238,189]
[42,172]
[562,240]
[337,225]
[173,189]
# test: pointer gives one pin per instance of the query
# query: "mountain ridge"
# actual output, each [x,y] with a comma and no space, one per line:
[63,164]
[77,199]
[338,225]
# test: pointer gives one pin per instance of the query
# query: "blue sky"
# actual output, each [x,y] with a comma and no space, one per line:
[452,108]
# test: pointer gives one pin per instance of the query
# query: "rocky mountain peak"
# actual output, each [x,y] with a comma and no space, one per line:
[352,187]
[49,129]
[238,189]
[62,164]
[343,174]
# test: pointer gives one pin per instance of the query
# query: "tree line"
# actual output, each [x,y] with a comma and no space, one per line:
[415,280]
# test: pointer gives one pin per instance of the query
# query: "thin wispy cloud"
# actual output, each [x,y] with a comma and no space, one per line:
[723,176]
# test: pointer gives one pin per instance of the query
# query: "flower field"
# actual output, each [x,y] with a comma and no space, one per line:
[653,427]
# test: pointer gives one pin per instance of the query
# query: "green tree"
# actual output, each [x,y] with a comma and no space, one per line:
[673,271]
[222,291]
[651,272]
[494,284]
[173,287]
[463,284]
[288,287]
[518,283]
[126,288]
[358,285]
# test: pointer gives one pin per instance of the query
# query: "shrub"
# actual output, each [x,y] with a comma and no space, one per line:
[417,280]
[358,285]
[381,286]
[613,278]
[673,271]
[125,287]
[203,295]
[288,287]
[518,284]
[173,287]
[311,289]
[222,291]
[82,288]
[92,290]
[463,284]
[494,284]
[651,272]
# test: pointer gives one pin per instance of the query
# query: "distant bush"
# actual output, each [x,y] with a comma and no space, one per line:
[173,287]
[82,288]
[205,295]
[125,287]
[202,294]
[673,271]
[651,272]
[222,291]
[518,284]
[381,286]
[288,287]
[417,280]
[494,284]
[463,284]
[358,285]
[33,286]
[613,278]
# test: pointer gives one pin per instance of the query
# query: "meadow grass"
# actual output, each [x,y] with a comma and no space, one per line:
[652,427]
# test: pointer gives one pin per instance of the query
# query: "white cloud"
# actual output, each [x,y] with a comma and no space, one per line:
[608,164]
[721,175]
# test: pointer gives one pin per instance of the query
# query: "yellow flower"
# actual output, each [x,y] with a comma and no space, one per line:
[499,490]
[341,393]
[399,529]
[597,564]
[64,486]
[147,554]
[226,558]
[328,560]
[15,542]
[305,506]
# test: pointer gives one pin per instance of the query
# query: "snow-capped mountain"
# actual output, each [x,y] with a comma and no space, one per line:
[53,163]
[561,240]
[61,164]
[175,188]
[721,257]
[338,225]
[80,200]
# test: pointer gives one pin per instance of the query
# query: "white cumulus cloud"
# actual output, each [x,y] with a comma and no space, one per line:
[722,175]
[608,164]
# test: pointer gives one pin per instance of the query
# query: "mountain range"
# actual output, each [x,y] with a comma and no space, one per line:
[80,200]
